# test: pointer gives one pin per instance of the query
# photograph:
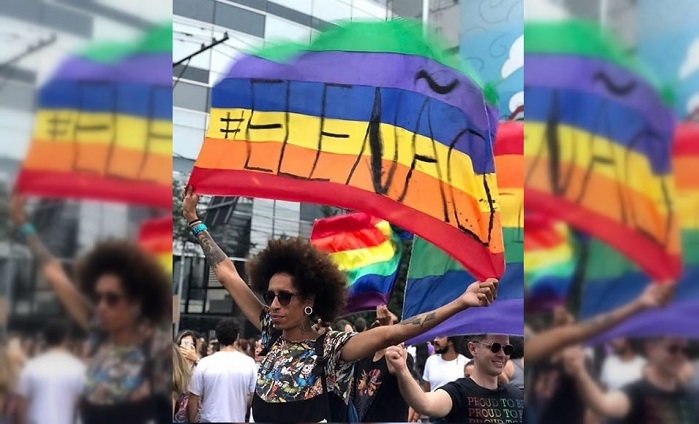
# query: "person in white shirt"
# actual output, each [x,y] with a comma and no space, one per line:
[445,365]
[50,384]
[223,382]
[624,366]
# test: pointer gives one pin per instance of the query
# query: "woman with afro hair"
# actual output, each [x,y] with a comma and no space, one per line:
[300,286]
[123,302]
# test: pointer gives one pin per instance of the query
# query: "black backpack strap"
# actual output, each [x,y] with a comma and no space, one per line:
[275,336]
[321,362]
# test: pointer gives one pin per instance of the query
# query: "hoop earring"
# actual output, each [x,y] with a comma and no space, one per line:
[308,310]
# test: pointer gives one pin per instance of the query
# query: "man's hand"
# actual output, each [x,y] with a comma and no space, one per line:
[383,315]
[480,293]
[574,360]
[396,357]
[190,200]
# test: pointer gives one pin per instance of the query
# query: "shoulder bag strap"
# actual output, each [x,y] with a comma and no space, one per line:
[319,369]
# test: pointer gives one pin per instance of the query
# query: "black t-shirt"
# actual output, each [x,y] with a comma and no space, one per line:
[553,396]
[473,404]
[376,394]
[652,405]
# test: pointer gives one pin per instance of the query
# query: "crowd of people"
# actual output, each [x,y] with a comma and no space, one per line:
[313,367]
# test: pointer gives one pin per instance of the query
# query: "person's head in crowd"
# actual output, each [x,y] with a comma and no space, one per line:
[468,369]
[360,325]
[621,346]
[180,372]
[666,355]
[186,338]
[213,347]
[55,333]
[443,345]
[299,283]
[200,343]
[227,332]
[518,343]
[343,325]
[490,353]
[128,285]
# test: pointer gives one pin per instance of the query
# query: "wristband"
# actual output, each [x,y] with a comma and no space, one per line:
[26,230]
[199,228]
[194,221]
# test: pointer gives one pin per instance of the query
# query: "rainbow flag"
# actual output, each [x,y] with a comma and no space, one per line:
[549,259]
[598,144]
[370,117]
[155,236]
[611,280]
[103,129]
[367,249]
[435,279]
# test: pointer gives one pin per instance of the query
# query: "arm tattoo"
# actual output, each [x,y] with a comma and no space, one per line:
[420,319]
[211,250]
[40,251]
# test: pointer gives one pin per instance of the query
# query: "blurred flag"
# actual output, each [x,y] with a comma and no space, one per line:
[103,130]
[155,236]
[598,143]
[371,117]
[435,279]
[549,262]
[612,281]
[365,248]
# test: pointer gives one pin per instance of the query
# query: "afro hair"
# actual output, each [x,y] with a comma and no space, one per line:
[313,274]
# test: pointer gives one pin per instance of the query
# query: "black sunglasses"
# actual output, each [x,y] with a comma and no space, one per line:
[110,298]
[674,350]
[284,297]
[507,349]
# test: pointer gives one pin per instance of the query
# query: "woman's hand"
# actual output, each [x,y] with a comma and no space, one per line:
[190,200]
[17,213]
[189,354]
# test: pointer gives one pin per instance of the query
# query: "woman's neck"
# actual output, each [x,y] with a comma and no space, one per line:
[125,336]
[299,333]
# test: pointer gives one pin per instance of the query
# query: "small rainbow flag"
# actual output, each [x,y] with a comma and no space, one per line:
[598,145]
[104,126]
[368,250]
[611,280]
[370,117]
[435,279]
[155,236]
[549,262]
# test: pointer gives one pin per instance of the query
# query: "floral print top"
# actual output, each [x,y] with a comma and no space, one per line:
[286,373]
[115,373]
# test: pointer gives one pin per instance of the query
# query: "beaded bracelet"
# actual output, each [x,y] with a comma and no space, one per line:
[199,228]
[26,230]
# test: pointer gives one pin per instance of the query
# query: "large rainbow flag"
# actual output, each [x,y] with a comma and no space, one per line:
[612,281]
[435,279]
[367,249]
[549,258]
[103,129]
[370,117]
[598,144]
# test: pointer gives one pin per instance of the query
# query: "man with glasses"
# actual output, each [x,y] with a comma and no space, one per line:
[656,398]
[477,399]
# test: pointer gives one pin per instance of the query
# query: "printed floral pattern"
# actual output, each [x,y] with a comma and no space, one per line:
[286,373]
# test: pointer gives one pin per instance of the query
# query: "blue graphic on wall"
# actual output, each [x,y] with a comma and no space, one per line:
[669,46]
[492,43]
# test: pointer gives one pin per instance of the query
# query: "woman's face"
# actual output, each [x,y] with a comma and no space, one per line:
[187,341]
[114,309]
[286,308]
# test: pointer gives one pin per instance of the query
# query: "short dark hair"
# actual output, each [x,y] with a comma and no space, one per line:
[227,331]
[141,276]
[313,274]
[55,332]
[340,325]
[360,324]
